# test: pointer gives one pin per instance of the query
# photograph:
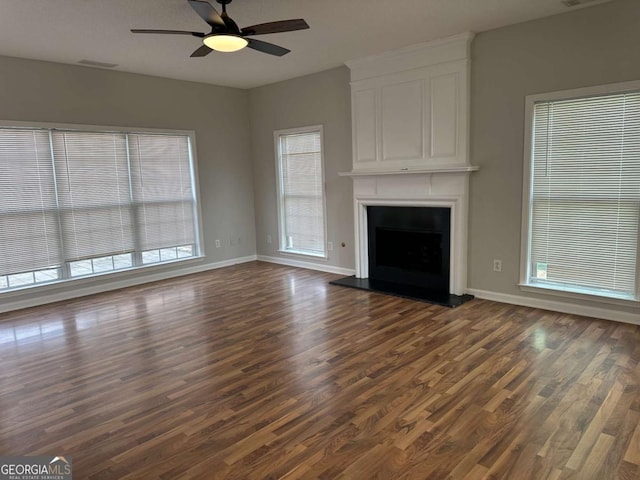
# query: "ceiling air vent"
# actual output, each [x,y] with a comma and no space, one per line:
[579,3]
[92,63]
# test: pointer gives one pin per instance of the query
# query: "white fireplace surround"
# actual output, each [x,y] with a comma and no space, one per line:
[410,128]
[427,189]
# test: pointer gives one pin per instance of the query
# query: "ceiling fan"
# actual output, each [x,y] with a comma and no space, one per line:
[225,36]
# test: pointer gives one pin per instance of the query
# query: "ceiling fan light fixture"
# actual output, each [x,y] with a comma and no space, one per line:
[223,42]
[226,36]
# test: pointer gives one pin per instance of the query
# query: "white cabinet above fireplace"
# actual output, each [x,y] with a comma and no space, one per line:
[410,107]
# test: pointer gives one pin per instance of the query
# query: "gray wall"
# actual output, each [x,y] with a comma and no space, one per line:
[36,91]
[320,99]
[592,46]
[236,163]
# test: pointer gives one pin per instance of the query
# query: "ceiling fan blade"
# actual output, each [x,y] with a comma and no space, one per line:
[201,51]
[276,27]
[266,47]
[208,13]
[170,32]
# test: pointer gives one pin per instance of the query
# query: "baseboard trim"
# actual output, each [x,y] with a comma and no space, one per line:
[310,265]
[574,309]
[110,285]
[583,310]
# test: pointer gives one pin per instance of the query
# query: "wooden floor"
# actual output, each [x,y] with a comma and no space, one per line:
[262,371]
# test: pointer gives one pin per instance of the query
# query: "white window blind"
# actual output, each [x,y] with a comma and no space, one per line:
[93,193]
[29,233]
[76,202]
[162,190]
[302,221]
[585,196]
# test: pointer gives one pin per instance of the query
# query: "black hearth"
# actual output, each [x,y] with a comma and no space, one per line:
[409,254]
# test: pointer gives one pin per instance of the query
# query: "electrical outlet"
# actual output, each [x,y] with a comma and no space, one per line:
[217,243]
[497,265]
[268,238]
[330,246]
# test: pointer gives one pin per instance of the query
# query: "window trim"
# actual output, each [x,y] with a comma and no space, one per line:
[114,275]
[525,236]
[279,188]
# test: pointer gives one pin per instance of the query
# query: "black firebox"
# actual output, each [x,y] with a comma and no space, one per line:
[410,246]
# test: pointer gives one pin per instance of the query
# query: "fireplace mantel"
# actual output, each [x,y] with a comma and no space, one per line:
[406,171]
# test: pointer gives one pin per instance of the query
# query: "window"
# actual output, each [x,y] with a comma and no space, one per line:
[301,191]
[77,202]
[582,192]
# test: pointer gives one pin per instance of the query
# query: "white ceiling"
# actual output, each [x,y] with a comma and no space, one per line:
[68,31]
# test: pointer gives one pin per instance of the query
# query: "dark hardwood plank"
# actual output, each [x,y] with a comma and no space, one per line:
[261,371]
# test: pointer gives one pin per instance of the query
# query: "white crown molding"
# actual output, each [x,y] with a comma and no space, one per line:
[109,285]
[556,306]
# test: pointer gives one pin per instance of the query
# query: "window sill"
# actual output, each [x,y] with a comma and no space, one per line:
[592,297]
[106,277]
[295,253]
